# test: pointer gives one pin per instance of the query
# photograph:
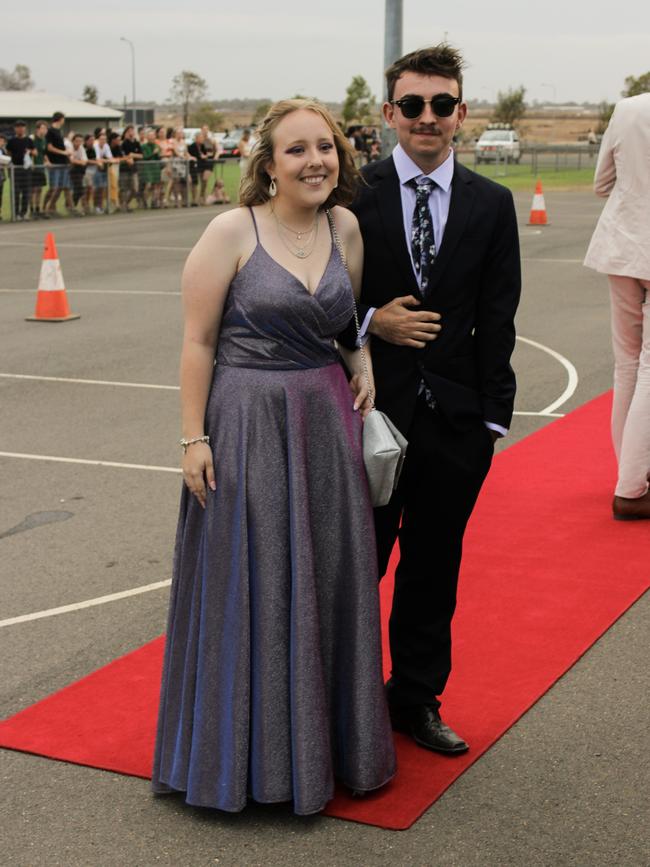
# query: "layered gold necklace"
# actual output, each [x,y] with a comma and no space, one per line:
[300,244]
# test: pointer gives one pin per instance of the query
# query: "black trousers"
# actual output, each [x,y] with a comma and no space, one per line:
[22,187]
[441,479]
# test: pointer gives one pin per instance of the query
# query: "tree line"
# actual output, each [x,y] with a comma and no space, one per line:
[189,91]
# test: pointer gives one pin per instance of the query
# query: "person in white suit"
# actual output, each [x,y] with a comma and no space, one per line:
[620,248]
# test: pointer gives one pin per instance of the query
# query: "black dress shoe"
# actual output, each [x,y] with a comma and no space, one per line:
[424,725]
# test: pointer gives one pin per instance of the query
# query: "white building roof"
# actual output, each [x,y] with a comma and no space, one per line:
[34,104]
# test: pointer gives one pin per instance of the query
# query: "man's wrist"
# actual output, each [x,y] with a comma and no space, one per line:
[369,323]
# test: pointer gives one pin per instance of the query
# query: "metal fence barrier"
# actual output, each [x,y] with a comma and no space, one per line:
[170,182]
[534,158]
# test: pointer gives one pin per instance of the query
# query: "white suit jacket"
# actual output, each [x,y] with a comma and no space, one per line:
[621,241]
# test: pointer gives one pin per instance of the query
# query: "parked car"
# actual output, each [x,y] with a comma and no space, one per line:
[230,143]
[498,142]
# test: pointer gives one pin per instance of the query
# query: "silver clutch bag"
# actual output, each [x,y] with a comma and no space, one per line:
[384,450]
[384,447]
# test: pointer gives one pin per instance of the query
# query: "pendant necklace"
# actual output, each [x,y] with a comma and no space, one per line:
[300,234]
[298,250]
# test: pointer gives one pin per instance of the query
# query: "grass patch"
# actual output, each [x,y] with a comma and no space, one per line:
[520,177]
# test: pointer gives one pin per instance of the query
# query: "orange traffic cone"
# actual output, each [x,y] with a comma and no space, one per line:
[51,301]
[538,209]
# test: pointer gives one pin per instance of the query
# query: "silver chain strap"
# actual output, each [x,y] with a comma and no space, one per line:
[364,357]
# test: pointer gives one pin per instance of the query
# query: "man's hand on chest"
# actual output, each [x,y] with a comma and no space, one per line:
[397,323]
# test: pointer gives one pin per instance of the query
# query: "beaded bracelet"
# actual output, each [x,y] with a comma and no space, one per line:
[185,443]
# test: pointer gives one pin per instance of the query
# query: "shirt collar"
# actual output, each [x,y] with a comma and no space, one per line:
[407,169]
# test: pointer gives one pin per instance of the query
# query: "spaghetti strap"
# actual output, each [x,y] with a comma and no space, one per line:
[257,234]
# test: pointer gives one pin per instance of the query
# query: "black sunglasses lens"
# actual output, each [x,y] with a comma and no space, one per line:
[412,106]
[443,106]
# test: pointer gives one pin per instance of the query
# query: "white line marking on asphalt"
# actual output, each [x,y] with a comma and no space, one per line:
[28,457]
[98,292]
[570,369]
[547,411]
[162,387]
[81,246]
[88,603]
[171,215]
[89,381]
[543,414]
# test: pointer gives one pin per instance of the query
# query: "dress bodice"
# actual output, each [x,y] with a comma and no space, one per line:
[272,321]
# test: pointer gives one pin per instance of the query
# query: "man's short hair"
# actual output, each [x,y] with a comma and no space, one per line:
[57,116]
[40,123]
[20,123]
[113,136]
[442,59]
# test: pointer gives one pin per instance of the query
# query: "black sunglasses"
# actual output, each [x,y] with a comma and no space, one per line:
[442,105]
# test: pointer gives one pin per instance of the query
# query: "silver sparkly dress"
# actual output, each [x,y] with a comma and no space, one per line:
[272,683]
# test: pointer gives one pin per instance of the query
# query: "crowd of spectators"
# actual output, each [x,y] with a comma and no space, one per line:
[107,171]
[366,143]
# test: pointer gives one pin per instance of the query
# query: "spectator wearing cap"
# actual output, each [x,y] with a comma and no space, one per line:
[20,148]
[59,163]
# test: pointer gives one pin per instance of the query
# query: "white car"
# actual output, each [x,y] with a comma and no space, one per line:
[498,144]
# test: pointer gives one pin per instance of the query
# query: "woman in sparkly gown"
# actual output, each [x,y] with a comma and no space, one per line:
[272,683]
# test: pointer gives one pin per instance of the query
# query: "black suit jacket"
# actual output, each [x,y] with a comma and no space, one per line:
[474,284]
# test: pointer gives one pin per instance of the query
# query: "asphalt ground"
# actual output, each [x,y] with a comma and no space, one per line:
[567,785]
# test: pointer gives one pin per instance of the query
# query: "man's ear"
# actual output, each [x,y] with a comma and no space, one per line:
[388,111]
[462,114]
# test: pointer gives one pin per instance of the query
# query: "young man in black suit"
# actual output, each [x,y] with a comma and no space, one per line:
[440,289]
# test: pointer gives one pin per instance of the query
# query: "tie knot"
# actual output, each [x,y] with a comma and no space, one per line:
[423,186]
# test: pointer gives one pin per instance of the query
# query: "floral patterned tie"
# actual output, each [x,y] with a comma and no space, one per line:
[423,244]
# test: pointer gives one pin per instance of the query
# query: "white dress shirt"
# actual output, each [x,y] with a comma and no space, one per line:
[439,200]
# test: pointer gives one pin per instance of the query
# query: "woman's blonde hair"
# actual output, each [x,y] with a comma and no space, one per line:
[254,188]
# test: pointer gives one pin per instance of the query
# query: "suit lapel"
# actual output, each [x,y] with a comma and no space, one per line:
[460,207]
[389,203]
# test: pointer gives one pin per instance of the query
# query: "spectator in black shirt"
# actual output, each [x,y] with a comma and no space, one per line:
[132,151]
[39,179]
[20,148]
[115,147]
[59,170]
[3,153]
[201,163]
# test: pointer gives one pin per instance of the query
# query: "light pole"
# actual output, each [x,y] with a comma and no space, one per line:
[131,45]
[392,51]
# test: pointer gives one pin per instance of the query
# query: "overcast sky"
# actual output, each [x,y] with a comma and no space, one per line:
[558,49]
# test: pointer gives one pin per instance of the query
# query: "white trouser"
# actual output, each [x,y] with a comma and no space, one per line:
[630,301]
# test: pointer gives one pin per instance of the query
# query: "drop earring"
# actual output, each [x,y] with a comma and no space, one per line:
[273,188]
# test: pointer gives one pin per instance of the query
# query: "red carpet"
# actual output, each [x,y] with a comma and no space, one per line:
[546,572]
